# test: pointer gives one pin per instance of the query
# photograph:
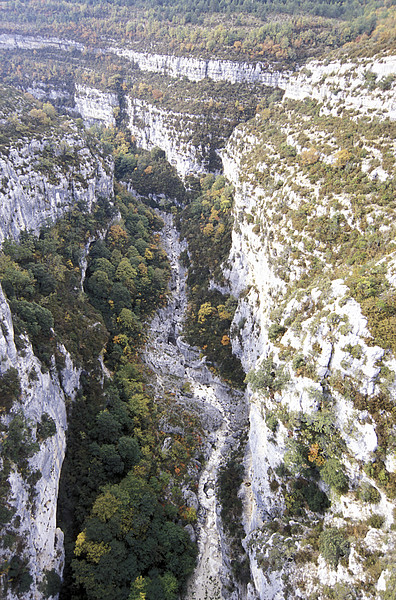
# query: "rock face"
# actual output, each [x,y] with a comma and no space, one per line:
[10,41]
[61,96]
[170,131]
[33,193]
[196,69]
[312,347]
[35,505]
[95,106]
[30,197]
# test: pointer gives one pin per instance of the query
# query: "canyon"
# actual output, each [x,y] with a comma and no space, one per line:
[317,363]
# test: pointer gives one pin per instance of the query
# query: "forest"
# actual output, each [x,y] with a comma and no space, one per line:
[278,31]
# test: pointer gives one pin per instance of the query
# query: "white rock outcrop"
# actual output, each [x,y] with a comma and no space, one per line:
[41,393]
[171,131]
[29,198]
[196,69]
[13,41]
[95,106]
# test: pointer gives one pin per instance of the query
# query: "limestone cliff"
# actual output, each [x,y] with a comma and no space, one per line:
[43,175]
[33,505]
[172,132]
[307,330]
[196,69]
[95,106]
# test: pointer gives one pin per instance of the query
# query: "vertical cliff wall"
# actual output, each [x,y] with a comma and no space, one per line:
[33,505]
[321,456]
[170,131]
[95,106]
[43,175]
[196,69]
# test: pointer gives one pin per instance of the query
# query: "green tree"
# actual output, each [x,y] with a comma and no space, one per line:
[129,323]
[333,474]
[126,274]
[128,448]
[333,545]
[108,428]
[10,388]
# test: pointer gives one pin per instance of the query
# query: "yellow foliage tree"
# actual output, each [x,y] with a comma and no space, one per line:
[342,157]
[309,157]
[138,589]
[224,314]
[314,455]
[93,550]
[225,340]
[105,506]
[208,229]
[206,310]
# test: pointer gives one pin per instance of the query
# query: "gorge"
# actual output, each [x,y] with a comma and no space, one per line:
[195,220]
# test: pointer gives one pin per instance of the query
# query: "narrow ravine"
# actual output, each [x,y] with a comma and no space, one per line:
[178,367]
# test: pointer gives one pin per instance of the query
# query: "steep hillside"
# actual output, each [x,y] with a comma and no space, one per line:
[48,168]
[313,262]
[47,165]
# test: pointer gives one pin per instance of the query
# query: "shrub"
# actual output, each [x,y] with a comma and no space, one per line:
[10,388]
[6,514]
[275,331]
[271,420]
[368,493]
[46,428]
[268,377]
[298,362]
[333,474]
[376,521]
[51,584]
[19,575]
[390,592]
[36,319]
[18,446]
[316,499]
[386,82]
[282,471]
[309,157]
[341,591]
[333,545]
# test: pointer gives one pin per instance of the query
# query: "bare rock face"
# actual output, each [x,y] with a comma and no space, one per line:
[196,69]
[34,505]
[172,132]
[95,106]
[10,41]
